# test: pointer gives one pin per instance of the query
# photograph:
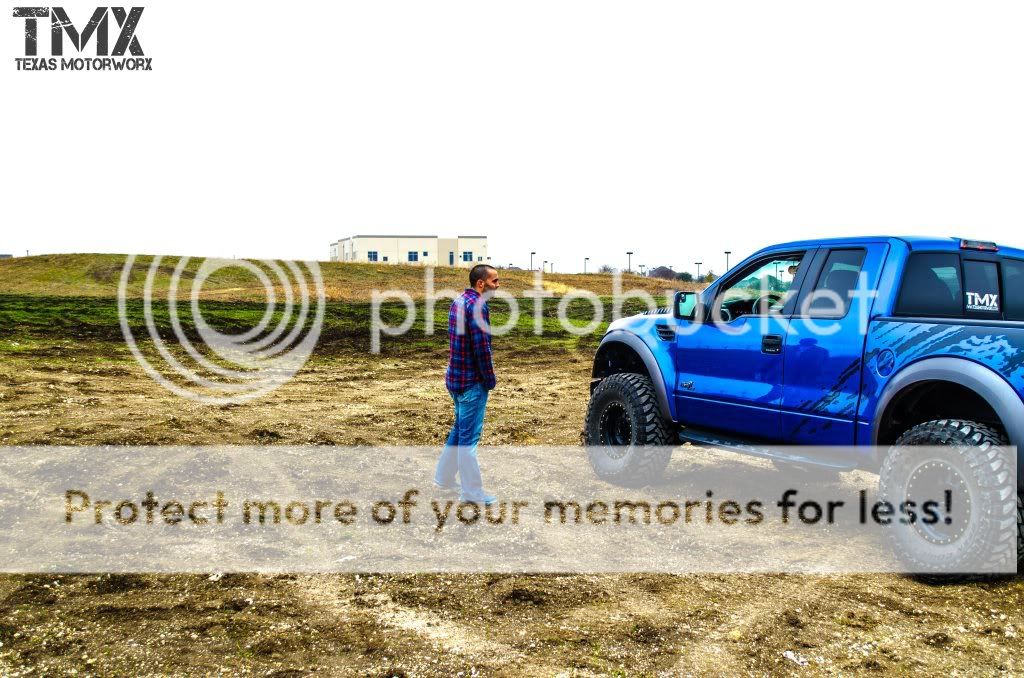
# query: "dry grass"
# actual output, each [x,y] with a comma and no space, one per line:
[98,275]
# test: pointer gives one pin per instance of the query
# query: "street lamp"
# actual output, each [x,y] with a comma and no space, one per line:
[585,260]
[552,267]
[641,267]
[698,269]
[727,253]
[531,260]
[629,262]
[544,267]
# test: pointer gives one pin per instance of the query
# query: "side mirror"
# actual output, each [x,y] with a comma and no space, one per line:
[684,305]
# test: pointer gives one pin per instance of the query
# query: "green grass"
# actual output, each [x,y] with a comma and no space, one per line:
[24,319]
[69,299]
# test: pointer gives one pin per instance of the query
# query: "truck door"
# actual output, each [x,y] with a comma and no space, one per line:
[825,345]
[729,367]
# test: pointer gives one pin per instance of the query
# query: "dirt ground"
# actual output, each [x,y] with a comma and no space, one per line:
[487,624]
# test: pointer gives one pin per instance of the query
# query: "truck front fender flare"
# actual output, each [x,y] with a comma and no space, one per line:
[647,356]
[983,381]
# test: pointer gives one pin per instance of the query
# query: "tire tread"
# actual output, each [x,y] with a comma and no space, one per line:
[986,456]
[649,454]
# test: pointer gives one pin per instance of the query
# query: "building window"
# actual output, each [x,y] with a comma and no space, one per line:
[424,255]
[467,256]
[414,256]
[385,258]
[372,256]
[479,258]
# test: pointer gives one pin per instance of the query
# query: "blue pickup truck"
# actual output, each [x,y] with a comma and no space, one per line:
[869,343]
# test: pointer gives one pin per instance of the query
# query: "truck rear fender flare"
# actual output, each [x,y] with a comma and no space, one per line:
[978,378]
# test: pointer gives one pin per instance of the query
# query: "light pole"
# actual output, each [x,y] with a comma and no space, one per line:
[585,260]
[642,267]
[544,267]
[531,260]
[698,269]
[629,262]
[552,267]
[727,253]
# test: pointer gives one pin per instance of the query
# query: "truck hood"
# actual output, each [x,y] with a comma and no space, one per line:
[640,322]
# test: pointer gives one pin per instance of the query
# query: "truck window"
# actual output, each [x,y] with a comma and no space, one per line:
[1013,289]
[931,286]
[838,280]
[764,287]
[981,289]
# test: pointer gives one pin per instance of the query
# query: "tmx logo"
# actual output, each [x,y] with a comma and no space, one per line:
[60,24]
[978,302]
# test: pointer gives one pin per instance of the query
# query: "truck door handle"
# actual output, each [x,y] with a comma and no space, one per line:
[771,344]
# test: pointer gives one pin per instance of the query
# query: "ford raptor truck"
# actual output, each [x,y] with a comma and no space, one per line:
[868,343]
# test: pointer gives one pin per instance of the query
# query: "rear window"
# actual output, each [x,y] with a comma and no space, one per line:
[1013,289]
[932,285]
[981,289]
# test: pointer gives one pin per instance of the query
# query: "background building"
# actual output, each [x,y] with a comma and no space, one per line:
[5,256]
[428,250]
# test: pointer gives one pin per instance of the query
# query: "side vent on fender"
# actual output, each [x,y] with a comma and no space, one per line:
[666,332]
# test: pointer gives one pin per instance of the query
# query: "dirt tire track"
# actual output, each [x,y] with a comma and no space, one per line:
[723,649]
[450,636]
[426,630]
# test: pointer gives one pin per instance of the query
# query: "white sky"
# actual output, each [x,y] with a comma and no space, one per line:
[673,129]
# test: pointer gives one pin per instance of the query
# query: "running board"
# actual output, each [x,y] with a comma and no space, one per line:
[758,449]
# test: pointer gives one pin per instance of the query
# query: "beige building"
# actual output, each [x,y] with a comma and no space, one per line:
[425,250]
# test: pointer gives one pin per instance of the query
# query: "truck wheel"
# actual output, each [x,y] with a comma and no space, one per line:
[974,463]
[627,439]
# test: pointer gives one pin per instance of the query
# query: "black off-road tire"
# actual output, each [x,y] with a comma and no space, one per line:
[977,453]
[1020,532]
[637,454]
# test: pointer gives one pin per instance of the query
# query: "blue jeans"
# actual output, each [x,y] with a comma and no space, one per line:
[459,454]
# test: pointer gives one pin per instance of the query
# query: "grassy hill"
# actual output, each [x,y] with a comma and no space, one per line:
[72,297]
[98,275]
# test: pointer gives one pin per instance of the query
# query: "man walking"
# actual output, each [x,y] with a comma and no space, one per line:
[469,378]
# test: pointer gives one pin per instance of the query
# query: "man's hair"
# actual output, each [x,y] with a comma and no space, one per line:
[478,272]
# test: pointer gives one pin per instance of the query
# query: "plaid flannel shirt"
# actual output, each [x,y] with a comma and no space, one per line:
[469,355]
